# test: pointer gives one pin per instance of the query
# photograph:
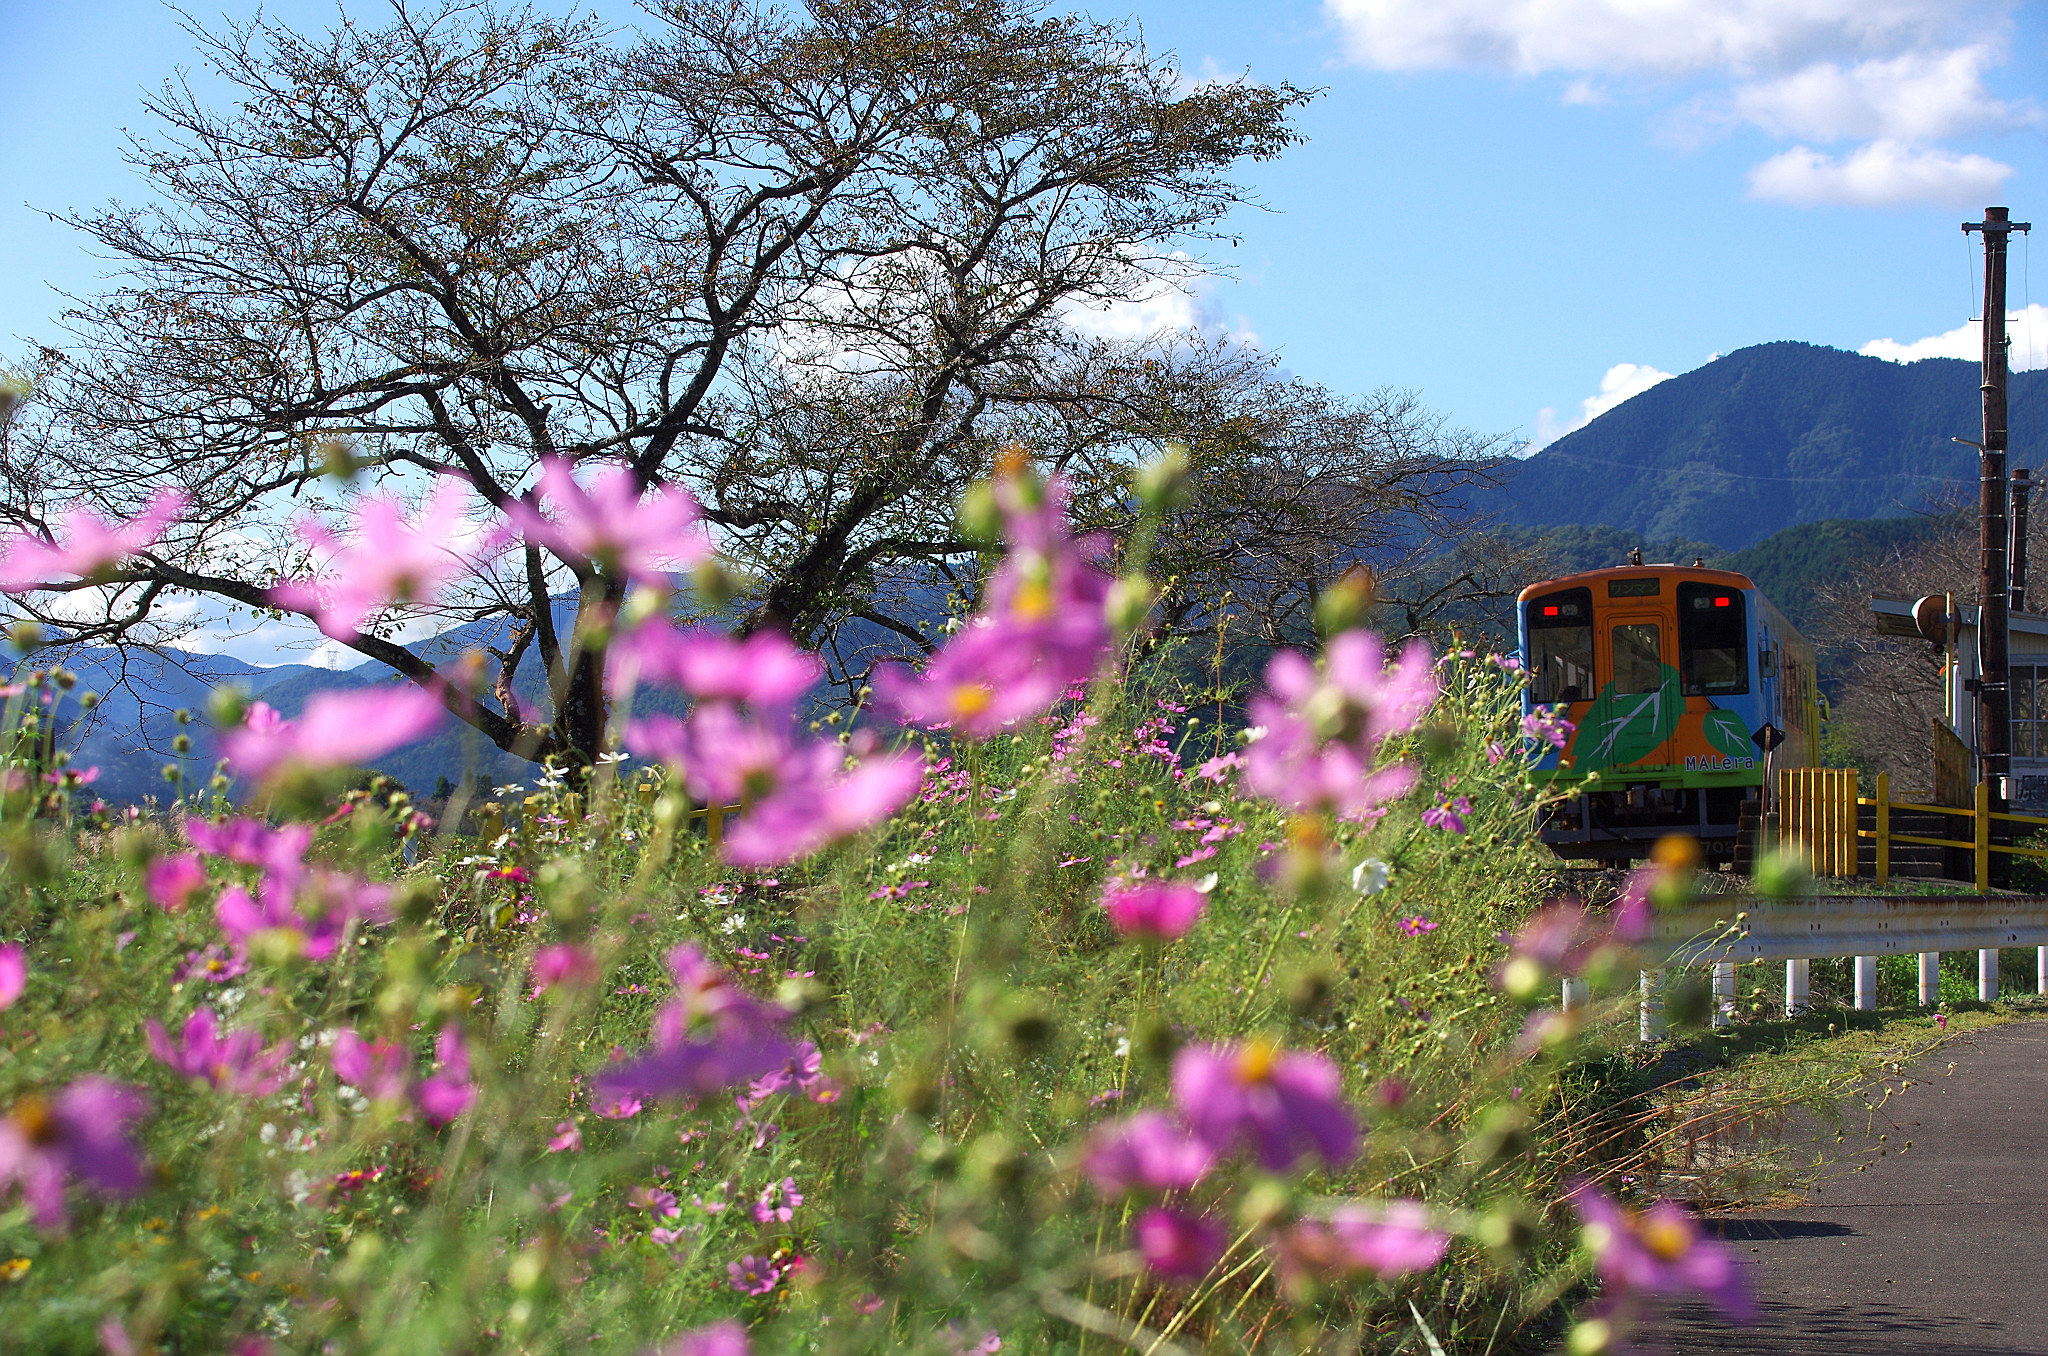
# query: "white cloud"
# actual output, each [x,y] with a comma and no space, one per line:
[1882,174]
[2027,329]
[1918,96]
[1623,381]
[1161,298]
[1665,37]
[1897,74]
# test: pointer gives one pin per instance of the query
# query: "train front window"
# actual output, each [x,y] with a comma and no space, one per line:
[1638,658]
[1561,647]
[1713,641]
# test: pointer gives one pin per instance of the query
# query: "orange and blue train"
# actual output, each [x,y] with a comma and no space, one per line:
[1685,688]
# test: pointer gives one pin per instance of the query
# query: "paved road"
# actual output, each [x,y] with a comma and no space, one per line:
[1942,1251]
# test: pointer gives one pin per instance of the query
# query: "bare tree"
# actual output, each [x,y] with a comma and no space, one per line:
[816,265]
[1891,689]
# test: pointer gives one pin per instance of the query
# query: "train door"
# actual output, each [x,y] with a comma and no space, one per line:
[1635,720]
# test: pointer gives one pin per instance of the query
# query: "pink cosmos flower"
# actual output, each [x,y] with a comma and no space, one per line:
[388,559]
[654,1201]
[216,965]
[1450,815]
[763,670]
[1148,1152]
[72,778]
[567,1139]
[1155,909]
[1042,631]
[85,545]
[250,842]
[563,963]
[712,1037]
[727,1338]
[380,1070]
[450,1092]
[82,1133]
[706,996]
[753,1275]
[1416,926]
[1562,937]
[778,1202]
[803,1071]
[1396,1238]
[173,881]
[13,973]
[799,795]
[1657,1253]
[611,525]
[337,729]
[312,909]
[235,1062]
[1176,1244]
[1547,725]
[989,1343]
[1323,731]
[1281,1104]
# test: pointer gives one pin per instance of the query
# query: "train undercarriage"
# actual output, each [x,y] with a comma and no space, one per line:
[1624,823]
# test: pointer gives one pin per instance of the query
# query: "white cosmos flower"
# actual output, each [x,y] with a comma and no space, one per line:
[1369,877]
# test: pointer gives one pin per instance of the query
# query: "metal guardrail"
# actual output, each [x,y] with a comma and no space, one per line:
[1799,931]
[1852,925]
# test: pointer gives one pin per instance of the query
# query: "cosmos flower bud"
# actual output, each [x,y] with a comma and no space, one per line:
[1159,482]
[1129,603]
[980,518]
[1344,604]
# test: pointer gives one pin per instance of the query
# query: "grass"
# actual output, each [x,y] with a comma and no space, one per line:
[978,1019]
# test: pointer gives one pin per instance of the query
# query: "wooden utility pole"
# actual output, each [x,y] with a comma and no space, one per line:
[2016,556]
[1994,732]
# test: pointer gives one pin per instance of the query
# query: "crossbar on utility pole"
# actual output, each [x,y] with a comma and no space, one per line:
[1994,733]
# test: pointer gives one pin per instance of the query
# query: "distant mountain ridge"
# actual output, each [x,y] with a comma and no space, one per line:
[1769,437]
[1783,461]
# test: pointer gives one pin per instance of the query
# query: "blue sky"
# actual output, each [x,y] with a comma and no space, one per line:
[1501,204]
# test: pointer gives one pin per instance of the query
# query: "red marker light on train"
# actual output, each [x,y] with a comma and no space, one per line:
[1550,612]
[1721,602]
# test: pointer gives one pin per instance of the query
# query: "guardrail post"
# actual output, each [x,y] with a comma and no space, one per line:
[1884,827]
[1577,993]
[1982,821]
[1866,983]
[1652,1024]
[1987,975]
[2041,969]
[1724,992]
[1930,978]
[1796,975]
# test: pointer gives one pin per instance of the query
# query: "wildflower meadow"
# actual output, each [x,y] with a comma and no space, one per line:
[1039,998]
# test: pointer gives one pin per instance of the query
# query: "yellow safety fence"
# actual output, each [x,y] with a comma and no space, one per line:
[1818,809]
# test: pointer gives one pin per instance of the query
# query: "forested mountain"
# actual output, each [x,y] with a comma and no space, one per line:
[1768,437]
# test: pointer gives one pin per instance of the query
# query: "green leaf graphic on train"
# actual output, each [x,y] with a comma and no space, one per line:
[1621,728]
[1726,732]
